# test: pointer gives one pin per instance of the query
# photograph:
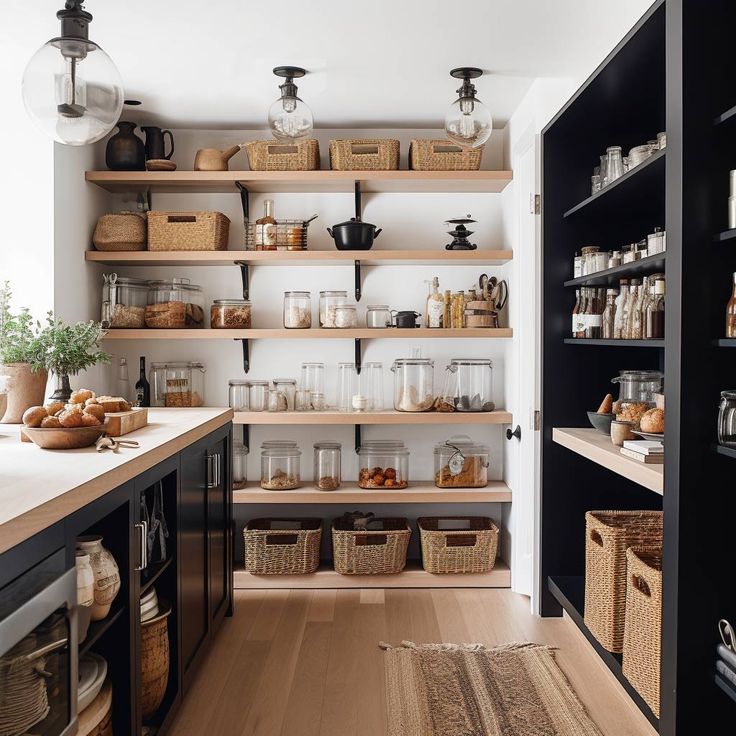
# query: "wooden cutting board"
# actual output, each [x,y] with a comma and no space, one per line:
[121,422]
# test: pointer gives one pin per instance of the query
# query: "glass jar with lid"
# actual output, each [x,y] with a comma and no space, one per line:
[472,386]
[327,460]
[346,316]
[313,377]
[328,303]
[174,304]
[280,468]
[230,314]
[378,315]
[287,386]
[275,444]
[277,400]
[258,395]
[413,384]
[177,384]
[383,465]
[461,463]
[240,461]
[238,391]
[637,391]
[123,302]
[727,419]
[297,310]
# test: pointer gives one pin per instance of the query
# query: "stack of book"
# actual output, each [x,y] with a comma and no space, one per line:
[644,451]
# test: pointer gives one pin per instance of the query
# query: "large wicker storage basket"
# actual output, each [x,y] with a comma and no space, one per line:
[364,154]
[426,154]
[380,549]
[154,660]
[280,156]
[188,231]
[120,231]
[643,631]
[447,550]
[274,551]
[608,535]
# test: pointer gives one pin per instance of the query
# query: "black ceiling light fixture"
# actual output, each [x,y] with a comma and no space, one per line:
[289,118]
[468,121]
[71,88]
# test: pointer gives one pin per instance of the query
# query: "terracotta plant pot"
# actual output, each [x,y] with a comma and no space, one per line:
[24,389]
[107,576]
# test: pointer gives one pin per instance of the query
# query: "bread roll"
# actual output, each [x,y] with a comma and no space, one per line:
[89,420]
[54,407]
[653,421]
[50,423]
[80,396]
[70,419]
[96,410]
[34,416]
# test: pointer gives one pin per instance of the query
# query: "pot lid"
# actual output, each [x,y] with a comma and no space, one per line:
[354,222]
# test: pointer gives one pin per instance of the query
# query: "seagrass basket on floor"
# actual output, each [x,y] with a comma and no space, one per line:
[427,154]
[188,231]
[379,549]
[448,550]
[364,154]
[272,549]
[608,535]
[281,156]
[154,660]
[643,629]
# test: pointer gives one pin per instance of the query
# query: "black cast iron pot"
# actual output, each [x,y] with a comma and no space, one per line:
[354,235]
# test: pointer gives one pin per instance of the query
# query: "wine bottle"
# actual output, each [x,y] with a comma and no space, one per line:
[142,387]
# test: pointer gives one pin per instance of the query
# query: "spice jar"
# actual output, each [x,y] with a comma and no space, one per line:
[258,395]
[297,310]
[238,392]
[413,384]
[383,465]
[177,384]
[240,459]
[328,302]
[327,459]
[378,315]
[346,316]
[230,314]
[123,302]
[727,419]
[174,304]
[277,400]
[287,386]
[461,463]
[280,468]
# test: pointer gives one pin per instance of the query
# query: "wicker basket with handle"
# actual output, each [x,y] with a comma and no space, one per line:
[426,154]
[379,549]
[364,154]
[154,660]
[447,548]
[608,535]
[282,546]
[643,630]
[282,156]
[120,231]
[188,231]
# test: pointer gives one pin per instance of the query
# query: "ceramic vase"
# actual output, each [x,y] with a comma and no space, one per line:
[107,576]
[125,150]
[23,389]
[85,593]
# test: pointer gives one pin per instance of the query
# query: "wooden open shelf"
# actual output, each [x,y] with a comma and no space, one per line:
[418,492]
[430,257]
[412,577]
[371,417]
[598,447]
[280,333]
[302,181]
[642,267]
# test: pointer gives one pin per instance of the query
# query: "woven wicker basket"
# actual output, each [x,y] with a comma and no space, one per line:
[458,551]
[643,631]
[426,154]
[120,231]
[188,231]
[608,535]
[280,156]
[364,154]
[270,551]
[380,550]
[154,660]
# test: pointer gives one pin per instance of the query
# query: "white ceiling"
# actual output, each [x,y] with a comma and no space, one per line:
[378,64]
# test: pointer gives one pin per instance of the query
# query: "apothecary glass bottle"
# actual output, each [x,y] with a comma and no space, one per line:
[614,164]
[609,315]
[327,461]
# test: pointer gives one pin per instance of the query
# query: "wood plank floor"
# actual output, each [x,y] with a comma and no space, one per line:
[307,663]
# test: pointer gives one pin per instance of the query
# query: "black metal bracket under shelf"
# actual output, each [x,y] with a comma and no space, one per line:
[358,281]
[246,435]
[357,437]
[244,201]
[358,355]
[246,353]
[245,276]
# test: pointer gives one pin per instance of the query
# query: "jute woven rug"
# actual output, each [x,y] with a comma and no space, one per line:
[471,690]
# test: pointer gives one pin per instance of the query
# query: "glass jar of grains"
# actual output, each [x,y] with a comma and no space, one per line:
[280,468]
[327,458]
[297,310]
[230,314]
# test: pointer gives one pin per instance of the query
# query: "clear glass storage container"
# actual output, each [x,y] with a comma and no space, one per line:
[258,395]
[174,304]
[297,310]
[383,465]
[378,315]
[177,384]
[461,463]
[637,391]
[328,303]
[313,377]
[346,316]
[280,468]
[327,461]
[413,384]
[238,392]
[277,400]
[240,460]
[230,314]
[287,386]
[123,302]
[469,384]
[727,419]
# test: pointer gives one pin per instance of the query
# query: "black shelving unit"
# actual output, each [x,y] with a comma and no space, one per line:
[725,235]
[98,628]
[611,276]
[727,451]
[671,72]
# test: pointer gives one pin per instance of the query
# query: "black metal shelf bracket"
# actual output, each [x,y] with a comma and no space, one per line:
[358,281]
[246,353]
[357,437]
[358,355]
[245,276]
[246,435]
[244,201]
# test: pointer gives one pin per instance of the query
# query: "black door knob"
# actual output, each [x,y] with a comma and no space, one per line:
[516,433]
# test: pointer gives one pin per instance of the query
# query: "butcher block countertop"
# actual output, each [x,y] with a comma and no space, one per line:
[40,487]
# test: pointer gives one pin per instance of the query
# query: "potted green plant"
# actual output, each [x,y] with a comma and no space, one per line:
[23,374]
[67,349]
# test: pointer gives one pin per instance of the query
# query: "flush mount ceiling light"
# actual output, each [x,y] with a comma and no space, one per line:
[71,88]
[468,121]
[289,117]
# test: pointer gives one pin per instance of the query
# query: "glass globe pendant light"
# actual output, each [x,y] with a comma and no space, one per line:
[468,121]
[71,89]
[288,117]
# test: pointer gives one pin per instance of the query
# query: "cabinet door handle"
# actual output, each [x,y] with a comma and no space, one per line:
[143,548]
[209,470]
[218,469]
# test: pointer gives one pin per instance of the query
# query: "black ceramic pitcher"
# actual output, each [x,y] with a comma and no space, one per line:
[125,150]
[155,147]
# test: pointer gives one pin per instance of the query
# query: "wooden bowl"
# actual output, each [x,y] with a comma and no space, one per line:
[64,438]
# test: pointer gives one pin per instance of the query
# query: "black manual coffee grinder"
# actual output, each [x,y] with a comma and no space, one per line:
[460,234]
